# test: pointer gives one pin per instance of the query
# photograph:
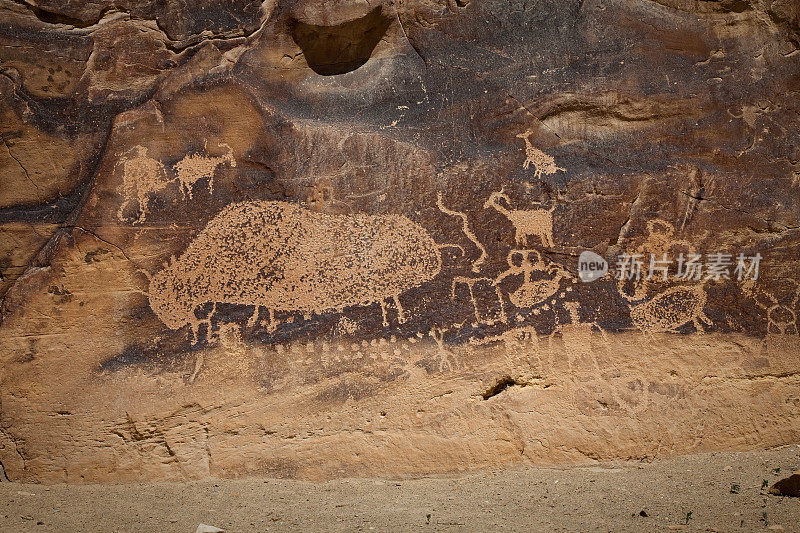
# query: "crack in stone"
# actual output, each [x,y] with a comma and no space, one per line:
[24,170]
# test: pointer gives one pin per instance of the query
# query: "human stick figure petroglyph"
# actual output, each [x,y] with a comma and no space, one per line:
[194,167]
[542,163]
[142,178]
[476,265]
[284,257]
[537,222]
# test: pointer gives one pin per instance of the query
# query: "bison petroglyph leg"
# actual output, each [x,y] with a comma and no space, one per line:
[272,326]
[253,320]
[383,312]
[400,314]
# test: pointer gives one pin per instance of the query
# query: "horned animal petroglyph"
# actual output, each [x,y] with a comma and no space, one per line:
[537,222]
[195,167]
[542,163]
[142,178]
[284,257]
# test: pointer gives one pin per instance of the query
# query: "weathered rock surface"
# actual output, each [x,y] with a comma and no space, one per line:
[329,238]
[788,486]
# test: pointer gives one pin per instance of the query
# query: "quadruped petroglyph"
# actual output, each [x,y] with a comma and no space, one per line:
[536,222]
[542,162]
[284,257]
[195,167]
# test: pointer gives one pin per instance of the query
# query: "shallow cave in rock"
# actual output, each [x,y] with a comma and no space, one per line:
[342,48]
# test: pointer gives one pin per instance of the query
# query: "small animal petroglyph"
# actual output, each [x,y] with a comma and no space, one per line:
[538,222]
[542,163]
[671,309]
[195,167]
[476,265]
[284,257]
[142,178]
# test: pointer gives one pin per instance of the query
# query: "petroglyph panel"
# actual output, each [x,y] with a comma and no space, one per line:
[324,239]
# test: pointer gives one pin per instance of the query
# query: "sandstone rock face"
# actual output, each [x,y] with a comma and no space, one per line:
[318,239]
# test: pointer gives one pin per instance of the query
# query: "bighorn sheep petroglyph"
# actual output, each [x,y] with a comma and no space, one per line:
[537,222]
[284,257]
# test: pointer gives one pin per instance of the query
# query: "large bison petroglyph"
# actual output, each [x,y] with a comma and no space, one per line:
[283,257]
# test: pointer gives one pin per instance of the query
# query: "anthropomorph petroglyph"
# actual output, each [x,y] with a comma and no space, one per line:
[195,167]
[142,178]
[532,292]
[538,222]
[542,163]
[476,265]
[283,257]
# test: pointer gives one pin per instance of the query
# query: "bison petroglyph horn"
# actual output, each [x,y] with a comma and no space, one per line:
[284,257]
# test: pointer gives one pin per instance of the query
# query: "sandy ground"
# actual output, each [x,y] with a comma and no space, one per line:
[722,491]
